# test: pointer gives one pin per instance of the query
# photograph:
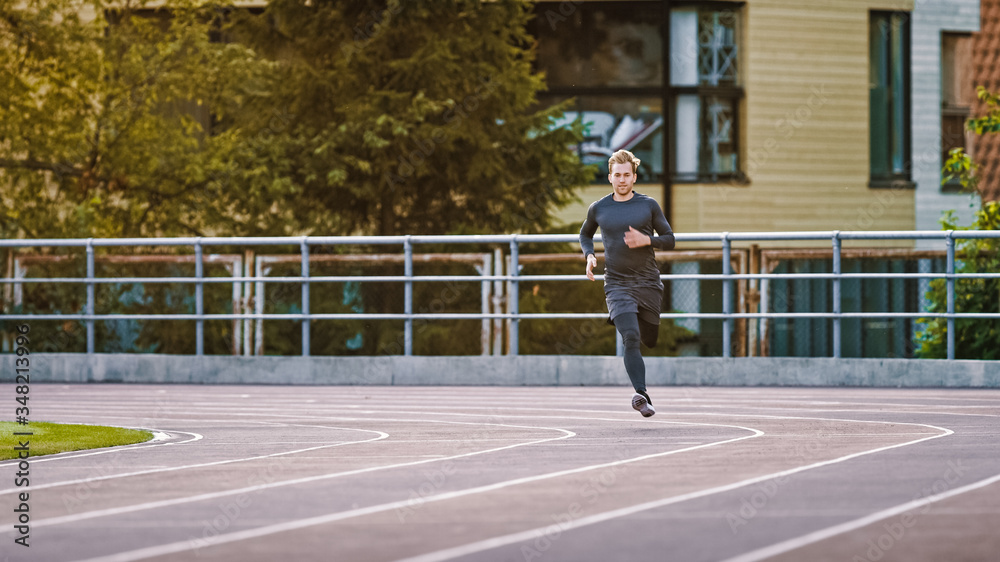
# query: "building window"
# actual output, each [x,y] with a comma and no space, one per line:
[609,58]
[889,98]
[599,44]
[633,123]
[680,117]
[705,90]
[957,97]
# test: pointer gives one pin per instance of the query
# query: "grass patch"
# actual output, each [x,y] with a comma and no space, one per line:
[50,438]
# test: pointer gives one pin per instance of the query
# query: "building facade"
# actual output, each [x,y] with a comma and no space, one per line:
[764,115]
[943,85]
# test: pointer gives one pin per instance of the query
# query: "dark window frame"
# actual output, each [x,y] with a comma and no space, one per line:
[953,110]
[666,91]
[893,179]
[735,93]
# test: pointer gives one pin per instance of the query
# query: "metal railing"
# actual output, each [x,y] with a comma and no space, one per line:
[512,280]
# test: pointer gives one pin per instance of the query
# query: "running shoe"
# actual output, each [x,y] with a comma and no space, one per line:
[642,405]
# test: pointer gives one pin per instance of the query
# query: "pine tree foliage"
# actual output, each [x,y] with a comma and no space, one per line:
[181,117]
[101,116]
[413,117]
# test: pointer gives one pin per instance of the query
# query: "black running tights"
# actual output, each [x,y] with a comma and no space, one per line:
[633,331]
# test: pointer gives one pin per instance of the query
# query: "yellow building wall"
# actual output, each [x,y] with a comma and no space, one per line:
[804,128]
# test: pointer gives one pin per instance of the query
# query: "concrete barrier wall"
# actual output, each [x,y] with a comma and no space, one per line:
[532,370]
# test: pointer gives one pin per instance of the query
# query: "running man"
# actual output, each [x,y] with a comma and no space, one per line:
[632,283]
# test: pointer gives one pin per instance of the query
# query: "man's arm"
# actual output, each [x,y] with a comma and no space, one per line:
[665,240]
[587,241]
[587,232]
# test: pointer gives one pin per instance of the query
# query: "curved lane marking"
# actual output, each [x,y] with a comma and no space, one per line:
[204,464]
[495,542]
[308,479]
[104,451]
[190,544]
[816,536]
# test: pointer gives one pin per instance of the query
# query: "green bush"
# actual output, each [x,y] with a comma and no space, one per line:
[590,336]
[976,338]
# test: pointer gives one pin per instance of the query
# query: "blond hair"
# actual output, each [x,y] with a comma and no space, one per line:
[624,157]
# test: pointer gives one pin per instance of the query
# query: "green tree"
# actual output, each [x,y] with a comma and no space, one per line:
[119,119]
[179,118]
[974,338]
[411,117]
[101,115]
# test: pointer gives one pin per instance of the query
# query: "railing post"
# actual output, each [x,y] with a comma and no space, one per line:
[836,294]
[259,296]
[249,261]
[304,245]
[408,296]
[498,302]
[90,296]
[727,289]
[486,270]
[199,300]
[512,296]
[951,293]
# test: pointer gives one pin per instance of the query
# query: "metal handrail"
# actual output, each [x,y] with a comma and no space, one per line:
[512,279]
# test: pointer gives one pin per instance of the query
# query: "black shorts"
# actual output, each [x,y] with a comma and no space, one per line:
[646,302]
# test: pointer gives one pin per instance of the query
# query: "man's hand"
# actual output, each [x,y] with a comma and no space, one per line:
[591,263]
[636,239]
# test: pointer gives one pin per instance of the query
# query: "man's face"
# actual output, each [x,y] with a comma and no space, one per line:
[622,179]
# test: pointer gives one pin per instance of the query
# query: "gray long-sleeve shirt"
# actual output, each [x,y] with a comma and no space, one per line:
[624,266]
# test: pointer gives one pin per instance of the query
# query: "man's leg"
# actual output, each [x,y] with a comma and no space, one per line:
[628,324]
[649,333]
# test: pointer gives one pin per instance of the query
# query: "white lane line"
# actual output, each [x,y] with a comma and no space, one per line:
[495,542]
[699,401]
[13,490]
[308,479]
[498,412]
[137,446]
[816,536]
[182,546]
[380,436]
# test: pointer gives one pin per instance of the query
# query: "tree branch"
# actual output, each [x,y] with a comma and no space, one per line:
[29,164]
